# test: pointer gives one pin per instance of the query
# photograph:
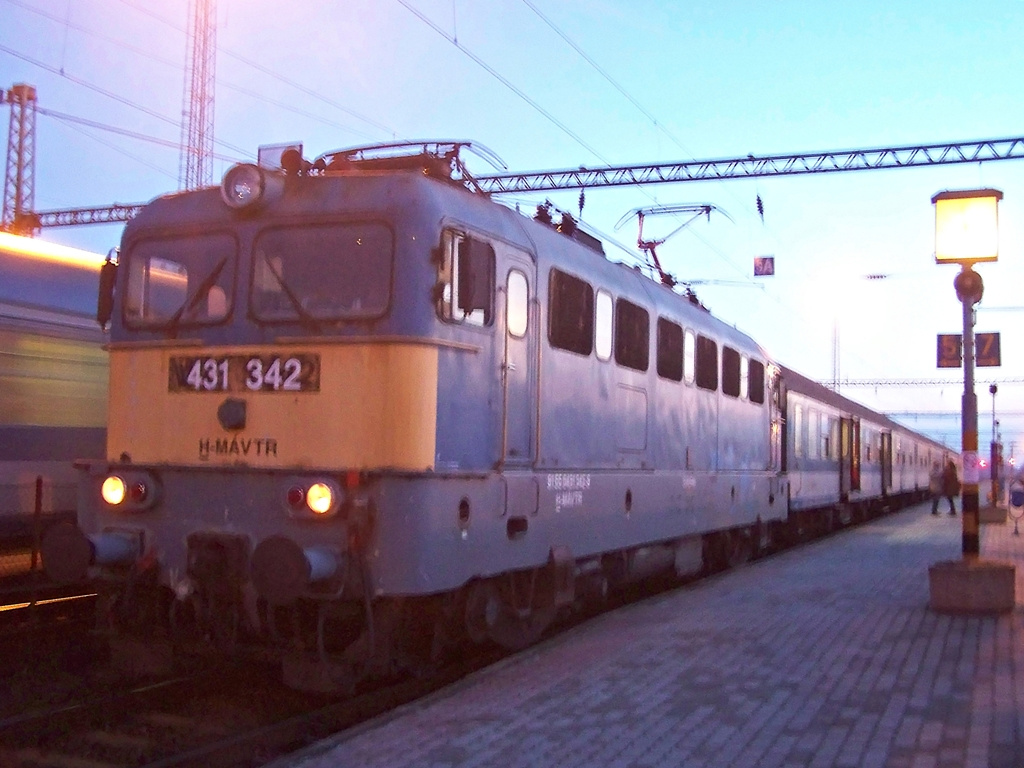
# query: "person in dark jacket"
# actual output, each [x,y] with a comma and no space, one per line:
[935,485]
[950,485]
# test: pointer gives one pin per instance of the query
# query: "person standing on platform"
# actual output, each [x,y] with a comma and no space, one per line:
[950,485]
[935,485]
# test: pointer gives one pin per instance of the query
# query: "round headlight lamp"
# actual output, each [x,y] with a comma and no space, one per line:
[243,186]
[320,498]
[114,490]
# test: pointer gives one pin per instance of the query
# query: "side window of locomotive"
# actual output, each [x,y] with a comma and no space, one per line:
[180,280]
[323,272]
[689,356]
[730,372]
[707,363]
[632,335]
[756,384]
[466,280]
[571,313]
[670,350]
[517,311]
[603,326]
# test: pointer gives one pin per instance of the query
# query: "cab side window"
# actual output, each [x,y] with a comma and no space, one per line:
[465,285]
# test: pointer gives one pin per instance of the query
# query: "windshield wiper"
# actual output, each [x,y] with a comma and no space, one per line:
[294,300]
[200,293]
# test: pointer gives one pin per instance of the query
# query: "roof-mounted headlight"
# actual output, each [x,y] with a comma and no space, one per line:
[247,185]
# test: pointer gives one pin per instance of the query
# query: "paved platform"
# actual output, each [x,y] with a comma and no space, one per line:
[824,656]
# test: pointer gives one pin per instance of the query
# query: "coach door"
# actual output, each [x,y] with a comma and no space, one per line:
[885,457]
[849,457]
[518,371]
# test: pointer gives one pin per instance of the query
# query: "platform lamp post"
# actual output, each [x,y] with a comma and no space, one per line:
[994,448]
[967,232]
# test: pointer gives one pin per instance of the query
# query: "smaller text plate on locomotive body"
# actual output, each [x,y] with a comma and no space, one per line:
[245,373]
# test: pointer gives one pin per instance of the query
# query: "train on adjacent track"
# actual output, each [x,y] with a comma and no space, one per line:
[361,413]
[53,378]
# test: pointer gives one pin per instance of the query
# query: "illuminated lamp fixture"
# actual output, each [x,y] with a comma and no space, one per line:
[132,491]
[316,499]
[114,490]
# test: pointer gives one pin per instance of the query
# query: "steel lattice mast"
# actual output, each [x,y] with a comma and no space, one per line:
[19,178]
[196,169]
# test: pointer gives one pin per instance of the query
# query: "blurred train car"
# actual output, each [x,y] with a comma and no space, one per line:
[53,377]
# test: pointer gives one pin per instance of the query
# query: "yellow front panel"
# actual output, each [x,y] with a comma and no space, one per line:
[376,407]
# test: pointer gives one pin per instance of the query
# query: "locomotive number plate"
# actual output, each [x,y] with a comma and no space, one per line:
[245,373]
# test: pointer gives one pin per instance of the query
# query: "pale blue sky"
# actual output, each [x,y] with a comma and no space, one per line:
[701,80]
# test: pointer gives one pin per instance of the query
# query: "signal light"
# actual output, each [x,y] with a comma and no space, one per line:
[138,492]
[296,497]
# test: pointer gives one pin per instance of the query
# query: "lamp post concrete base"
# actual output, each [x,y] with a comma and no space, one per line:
[994,514]
[972,586]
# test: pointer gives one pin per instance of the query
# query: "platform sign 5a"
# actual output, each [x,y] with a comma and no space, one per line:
[950,350]
[950,346]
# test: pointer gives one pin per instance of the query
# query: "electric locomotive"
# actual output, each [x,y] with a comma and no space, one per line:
[360,413]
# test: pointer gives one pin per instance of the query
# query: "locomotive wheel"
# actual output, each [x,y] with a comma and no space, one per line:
[490,617]
[483,608]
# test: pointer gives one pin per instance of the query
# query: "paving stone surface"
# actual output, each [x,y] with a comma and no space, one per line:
[827,656]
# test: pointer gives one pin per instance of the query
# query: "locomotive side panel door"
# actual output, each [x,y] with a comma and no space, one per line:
[518,364]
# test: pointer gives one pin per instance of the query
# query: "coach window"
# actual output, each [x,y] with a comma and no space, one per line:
[670,350]
[798,430]
[824,439]
[518,309]
[689,356]
[465,280]
[707,363]
[756,383]
[730,372]
[603,328]
[571,313]
[632,335]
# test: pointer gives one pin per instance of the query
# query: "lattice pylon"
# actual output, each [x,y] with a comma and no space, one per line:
[20,175]
[196,166]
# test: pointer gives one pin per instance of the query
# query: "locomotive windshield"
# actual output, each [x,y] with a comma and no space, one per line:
[180,280]
[329,272]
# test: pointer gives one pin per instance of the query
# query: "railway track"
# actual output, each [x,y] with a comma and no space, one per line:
[232,715]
